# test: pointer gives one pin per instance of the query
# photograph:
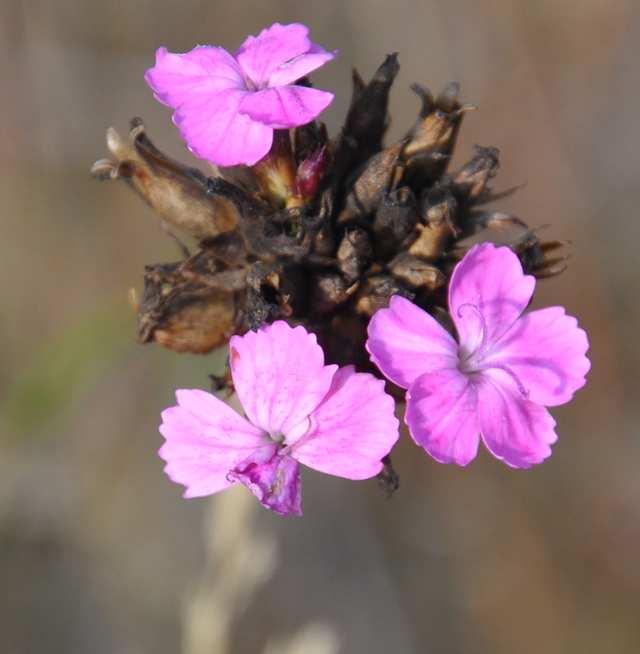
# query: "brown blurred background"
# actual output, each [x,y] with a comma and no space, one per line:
[98,552]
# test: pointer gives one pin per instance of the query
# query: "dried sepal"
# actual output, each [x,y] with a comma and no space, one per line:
[177,193]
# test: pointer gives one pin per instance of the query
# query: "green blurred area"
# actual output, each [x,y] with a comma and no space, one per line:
[99,553]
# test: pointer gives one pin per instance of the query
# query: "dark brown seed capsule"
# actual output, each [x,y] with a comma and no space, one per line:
[376,292]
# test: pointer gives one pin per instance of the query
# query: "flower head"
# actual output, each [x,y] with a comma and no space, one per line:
[497,379]
[298,410]
[227,106]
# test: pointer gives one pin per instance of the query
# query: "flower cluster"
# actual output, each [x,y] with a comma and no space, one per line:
[347,251]
[491,383]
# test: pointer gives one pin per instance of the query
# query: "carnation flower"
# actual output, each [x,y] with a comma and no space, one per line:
[227,106]
[497,379]
[298,410]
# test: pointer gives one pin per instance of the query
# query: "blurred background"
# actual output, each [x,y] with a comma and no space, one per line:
[99,553]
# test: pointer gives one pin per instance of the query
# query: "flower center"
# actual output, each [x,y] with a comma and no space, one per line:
[470,359]
[474,360]
[278,437]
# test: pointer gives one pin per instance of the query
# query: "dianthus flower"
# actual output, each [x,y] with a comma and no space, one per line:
[298,410]
[227,106]
[496,380]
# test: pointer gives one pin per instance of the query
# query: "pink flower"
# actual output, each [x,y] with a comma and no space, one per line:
[298,410]
[497,379]
[227,106]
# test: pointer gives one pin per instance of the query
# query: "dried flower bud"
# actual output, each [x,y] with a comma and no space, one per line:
[395,221]
[506,229]
[177,193]
[354,253]
[438,214]
[430,143]
[367,118]
[376,292]
[189,306]
[416,273]
[471,181]
[371,185]
[330,290]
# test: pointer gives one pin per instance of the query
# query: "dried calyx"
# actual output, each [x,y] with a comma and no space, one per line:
[321,231]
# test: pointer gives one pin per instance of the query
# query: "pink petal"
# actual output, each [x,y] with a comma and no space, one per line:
[286,106]
[353,428]
[406,342]
[259,56]
[291,71]
[205,438]
[515,430]
[215,130]
[487,293]
[279,375]
[545,351]
[180,78]
[441,415]
[273,479]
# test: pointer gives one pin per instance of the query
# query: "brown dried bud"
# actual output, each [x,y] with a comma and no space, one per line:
[330,290]
[417,273]
[376,292]
[472,180]
[430,143]
[189,306]
[395,221]
[506,229]
[178,194]
[371,185]
[354,253]
[367,118]
[438,213]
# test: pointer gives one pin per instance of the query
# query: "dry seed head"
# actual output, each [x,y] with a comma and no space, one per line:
[320,232]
